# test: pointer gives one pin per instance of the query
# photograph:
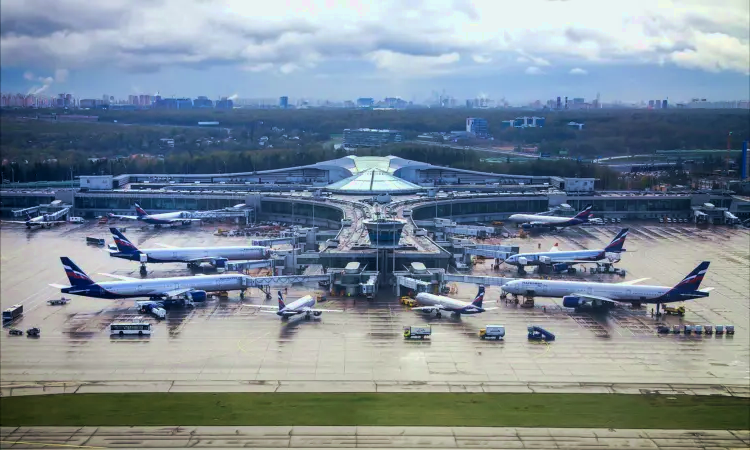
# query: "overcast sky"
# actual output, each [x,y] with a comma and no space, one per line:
[518,49]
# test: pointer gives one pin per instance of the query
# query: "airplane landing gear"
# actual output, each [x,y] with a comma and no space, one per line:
[143,270]
[438,314]
[307,316]
[242,295]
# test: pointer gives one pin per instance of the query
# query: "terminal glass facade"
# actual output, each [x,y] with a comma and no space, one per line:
[495,206]
[625,205]
[301,210]
[155,203]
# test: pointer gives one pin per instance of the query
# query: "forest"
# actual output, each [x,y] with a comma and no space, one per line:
[249,140]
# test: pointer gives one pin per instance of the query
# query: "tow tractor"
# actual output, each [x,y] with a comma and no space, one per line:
[674,310]
[408,301]
[33,332]
[15,332]
[607,268]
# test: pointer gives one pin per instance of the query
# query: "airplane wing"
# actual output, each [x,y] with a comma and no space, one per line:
[427,308]
[117,216]
[119,277]
[59,286]
[555,248]
[14,221]
[263,306]
[165,245]
[183,220]
[174,292]
[325,310]
[632,282]
[204,259]
[598,298]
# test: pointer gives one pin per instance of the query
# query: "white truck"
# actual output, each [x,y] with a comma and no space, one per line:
[412,332]
[492,332]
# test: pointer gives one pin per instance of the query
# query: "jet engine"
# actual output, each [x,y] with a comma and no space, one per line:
[522,261]
[545,259]
[570,301]
[219,263]
[317,313]
[143,257]
[198,296]
[612,257]
[527,226]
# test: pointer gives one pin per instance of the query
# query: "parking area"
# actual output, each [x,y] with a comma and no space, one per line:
[226,340]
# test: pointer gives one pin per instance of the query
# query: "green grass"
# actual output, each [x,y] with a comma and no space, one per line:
[434,409]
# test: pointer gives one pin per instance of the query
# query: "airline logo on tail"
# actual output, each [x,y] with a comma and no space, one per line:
[140,211]
[123,244]
[584,215]
[693,281]
[617,242]
[479,298]
[281,302]
[76,276]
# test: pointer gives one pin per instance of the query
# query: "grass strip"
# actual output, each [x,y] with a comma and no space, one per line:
[385,409]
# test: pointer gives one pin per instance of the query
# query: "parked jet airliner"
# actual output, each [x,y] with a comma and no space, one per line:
[439,303]
[610,253]
[216,256]
[529,221]
[38,221]
[304,305]
[577,293]
[183,217]
[192,288]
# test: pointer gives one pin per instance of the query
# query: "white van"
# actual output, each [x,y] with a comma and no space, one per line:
[75,219]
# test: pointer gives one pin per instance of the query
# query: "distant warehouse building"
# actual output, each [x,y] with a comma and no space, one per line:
[476,126]
[367,137]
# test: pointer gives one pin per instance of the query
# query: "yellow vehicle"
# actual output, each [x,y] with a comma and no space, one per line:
[222,294]
[408,301]
[320,298]
[498,223]
[676,310]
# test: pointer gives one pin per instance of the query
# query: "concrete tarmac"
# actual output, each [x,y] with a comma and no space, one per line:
[228,342]
[366,437]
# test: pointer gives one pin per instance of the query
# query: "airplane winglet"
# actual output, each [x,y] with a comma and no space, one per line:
[59,286]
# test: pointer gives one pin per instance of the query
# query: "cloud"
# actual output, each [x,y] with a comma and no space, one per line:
[578,71]
[61,75]
[418,39]
[28,75]
[533,70]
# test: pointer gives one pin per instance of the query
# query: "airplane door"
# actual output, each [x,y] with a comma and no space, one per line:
[139,289]
[589,290]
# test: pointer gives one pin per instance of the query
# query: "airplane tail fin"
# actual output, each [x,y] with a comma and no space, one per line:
[76,276]
[140,211]
[28,217]
[123,244]
[281,302]
[479,298]
[584,215]
[693,281]
[615,246]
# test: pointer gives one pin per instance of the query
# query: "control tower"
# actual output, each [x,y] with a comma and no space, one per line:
[384,233]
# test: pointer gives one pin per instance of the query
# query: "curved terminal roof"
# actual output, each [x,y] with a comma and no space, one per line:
[373,181]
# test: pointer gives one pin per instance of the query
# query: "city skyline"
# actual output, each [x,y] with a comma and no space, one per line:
[302,49]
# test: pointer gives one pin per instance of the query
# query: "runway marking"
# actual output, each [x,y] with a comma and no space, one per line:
[545,352]
[239,341]
[47,443]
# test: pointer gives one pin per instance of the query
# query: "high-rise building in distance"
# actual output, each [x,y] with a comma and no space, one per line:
[283,102]
[477,126]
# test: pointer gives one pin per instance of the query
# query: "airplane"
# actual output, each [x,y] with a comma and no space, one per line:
[529,221]
[610,253]
[192,289]
[183,217]
[38,221]
[577,293]
[439,303]
[193,256]
[303,305]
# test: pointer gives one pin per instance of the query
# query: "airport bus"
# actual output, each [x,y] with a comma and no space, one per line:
[135,327]
[12,313]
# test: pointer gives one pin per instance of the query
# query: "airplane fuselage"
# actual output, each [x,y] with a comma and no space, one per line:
[546,221]
[623,293]
[187,254]
[542,258]
[166,218]
[297,307]
[448,304]
[155,286]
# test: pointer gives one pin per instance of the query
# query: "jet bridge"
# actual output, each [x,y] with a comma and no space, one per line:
[501,252]
[23,212]
[476,279]
[270,242]
[411,283]
[264,283]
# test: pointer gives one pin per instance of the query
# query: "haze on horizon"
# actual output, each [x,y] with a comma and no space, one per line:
[522,51]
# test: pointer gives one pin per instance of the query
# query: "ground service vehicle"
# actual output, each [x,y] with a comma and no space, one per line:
[408,301]
[537,333]
[12,313]
[708,329]
[15,332]
[58,301]
[33,332]
[492,332]
[719,330]
[675,310]
[730,330]
[123,328]
[417,332]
